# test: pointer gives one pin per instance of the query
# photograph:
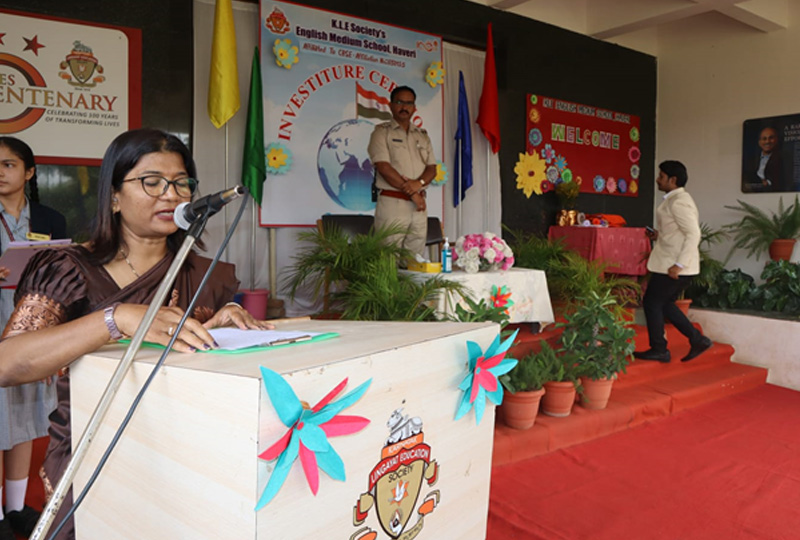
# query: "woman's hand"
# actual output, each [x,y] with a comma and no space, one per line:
[4,272]
[233,314]
[192,337]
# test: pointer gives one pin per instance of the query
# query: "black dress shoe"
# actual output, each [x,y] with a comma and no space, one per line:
[5,531]
[23,521]
[652,354]
[697,349]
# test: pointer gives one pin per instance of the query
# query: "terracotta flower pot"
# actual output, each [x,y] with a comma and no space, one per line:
[781,249]
[558,398]
[596,393]
[520,409]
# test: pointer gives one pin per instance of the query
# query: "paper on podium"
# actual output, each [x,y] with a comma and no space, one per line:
[232,339]
[17,255]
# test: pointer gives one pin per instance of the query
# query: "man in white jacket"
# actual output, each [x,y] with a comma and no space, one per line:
[674,261]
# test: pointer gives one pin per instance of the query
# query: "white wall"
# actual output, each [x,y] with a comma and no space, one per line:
[714,73]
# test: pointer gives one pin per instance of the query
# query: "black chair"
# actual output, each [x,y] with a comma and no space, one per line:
[349,224]
[435,238]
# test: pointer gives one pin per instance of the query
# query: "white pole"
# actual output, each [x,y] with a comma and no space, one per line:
[273,264]
[225,208]
[253,246]
[457,188]
[488,192]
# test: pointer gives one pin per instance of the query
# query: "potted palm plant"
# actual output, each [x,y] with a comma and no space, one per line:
[599,343]
[525,386]
[361,272]
[710,267]
[561,386]
[758,232]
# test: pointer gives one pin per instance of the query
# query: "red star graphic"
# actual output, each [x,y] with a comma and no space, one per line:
[32,45]
[1,38]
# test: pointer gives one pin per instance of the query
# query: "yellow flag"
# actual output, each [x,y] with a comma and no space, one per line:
[223,81]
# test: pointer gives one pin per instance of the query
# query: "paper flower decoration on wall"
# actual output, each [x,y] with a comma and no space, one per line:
[634,153]
[634,134]
[530,170]
[548,153]
[599,183]
[481,383]
[442,175]
[285,53]
[535,137]
[279,158]
[435,74]
[308,433]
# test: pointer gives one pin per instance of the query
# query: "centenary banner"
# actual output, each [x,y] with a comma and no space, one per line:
[595,147]
[327,80]
[771,154]
[67,87]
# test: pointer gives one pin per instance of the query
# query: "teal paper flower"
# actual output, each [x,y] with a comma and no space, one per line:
[435,74]
[308,433]
[442,174]
[561,163]
[285,53]
[481,383]
[279,158]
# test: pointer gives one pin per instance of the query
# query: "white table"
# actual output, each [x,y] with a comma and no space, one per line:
[528,290]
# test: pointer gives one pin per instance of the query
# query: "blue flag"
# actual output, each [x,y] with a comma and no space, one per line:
[463,166]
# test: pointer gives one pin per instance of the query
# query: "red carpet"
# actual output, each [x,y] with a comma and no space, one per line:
[647,392]
[729,469]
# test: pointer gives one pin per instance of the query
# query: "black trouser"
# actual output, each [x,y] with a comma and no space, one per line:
[659,302]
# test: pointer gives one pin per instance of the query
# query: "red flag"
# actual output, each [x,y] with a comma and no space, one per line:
[488,114]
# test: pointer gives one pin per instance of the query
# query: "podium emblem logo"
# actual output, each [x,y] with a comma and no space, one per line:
[397,481]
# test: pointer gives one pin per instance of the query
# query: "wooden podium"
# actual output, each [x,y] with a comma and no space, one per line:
[188,468]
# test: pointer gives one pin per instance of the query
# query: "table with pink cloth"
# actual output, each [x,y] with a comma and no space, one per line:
[624,249]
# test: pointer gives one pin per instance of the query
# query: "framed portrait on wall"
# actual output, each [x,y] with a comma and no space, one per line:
[771,154]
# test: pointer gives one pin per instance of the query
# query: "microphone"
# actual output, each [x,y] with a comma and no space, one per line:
[189,212]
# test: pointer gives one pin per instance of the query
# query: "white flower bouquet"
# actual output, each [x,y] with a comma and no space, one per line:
[482,252]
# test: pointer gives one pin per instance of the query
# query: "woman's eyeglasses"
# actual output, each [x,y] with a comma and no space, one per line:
[156,186]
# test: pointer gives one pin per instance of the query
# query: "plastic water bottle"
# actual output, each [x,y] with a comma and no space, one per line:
[447,257]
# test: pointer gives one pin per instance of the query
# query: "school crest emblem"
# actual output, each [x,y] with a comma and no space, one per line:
[82,65]
[397,482]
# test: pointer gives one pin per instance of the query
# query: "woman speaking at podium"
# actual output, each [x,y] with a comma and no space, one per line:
[71,301]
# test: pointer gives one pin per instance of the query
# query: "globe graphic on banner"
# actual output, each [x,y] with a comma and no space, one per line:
[344,166]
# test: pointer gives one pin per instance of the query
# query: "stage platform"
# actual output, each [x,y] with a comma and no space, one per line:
[648,391]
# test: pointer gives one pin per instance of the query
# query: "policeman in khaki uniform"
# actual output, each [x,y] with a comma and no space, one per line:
[403,158]
[674,261]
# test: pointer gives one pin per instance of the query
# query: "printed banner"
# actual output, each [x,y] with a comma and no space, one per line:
[595,147]
[327,79]
[771,154]
[66,87]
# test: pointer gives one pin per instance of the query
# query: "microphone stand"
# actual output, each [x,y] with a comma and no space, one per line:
[79,453]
